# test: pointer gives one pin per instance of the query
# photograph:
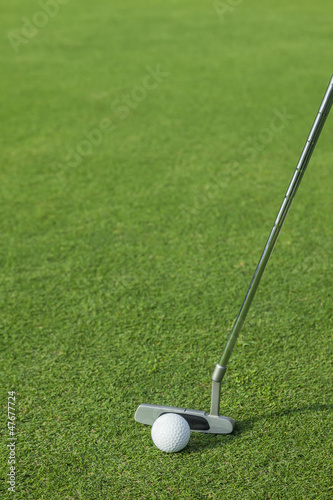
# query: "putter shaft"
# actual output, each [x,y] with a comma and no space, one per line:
[308,149]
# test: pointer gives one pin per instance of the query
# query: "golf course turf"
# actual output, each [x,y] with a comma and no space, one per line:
[146,147]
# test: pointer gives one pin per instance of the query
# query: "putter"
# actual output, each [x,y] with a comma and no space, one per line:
[213,422]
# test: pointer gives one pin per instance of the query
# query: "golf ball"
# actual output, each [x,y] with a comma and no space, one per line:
[170,432]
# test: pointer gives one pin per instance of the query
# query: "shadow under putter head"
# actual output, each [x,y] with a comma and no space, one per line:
[212,422]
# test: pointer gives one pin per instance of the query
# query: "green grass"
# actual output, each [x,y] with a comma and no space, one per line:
[124,269]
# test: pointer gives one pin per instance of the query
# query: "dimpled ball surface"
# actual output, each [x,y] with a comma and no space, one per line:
[170,432]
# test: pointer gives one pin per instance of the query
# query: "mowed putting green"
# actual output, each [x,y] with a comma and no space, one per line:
[146,147]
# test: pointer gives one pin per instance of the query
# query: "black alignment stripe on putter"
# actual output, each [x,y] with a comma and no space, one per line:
[196,423]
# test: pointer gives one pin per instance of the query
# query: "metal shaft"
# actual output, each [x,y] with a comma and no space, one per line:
[318,124]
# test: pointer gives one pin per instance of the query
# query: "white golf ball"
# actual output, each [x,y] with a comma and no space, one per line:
[170,432]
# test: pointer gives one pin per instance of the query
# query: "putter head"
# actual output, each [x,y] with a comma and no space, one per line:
[199,421]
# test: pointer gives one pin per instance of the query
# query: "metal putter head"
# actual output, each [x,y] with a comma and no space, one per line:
[199,421]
